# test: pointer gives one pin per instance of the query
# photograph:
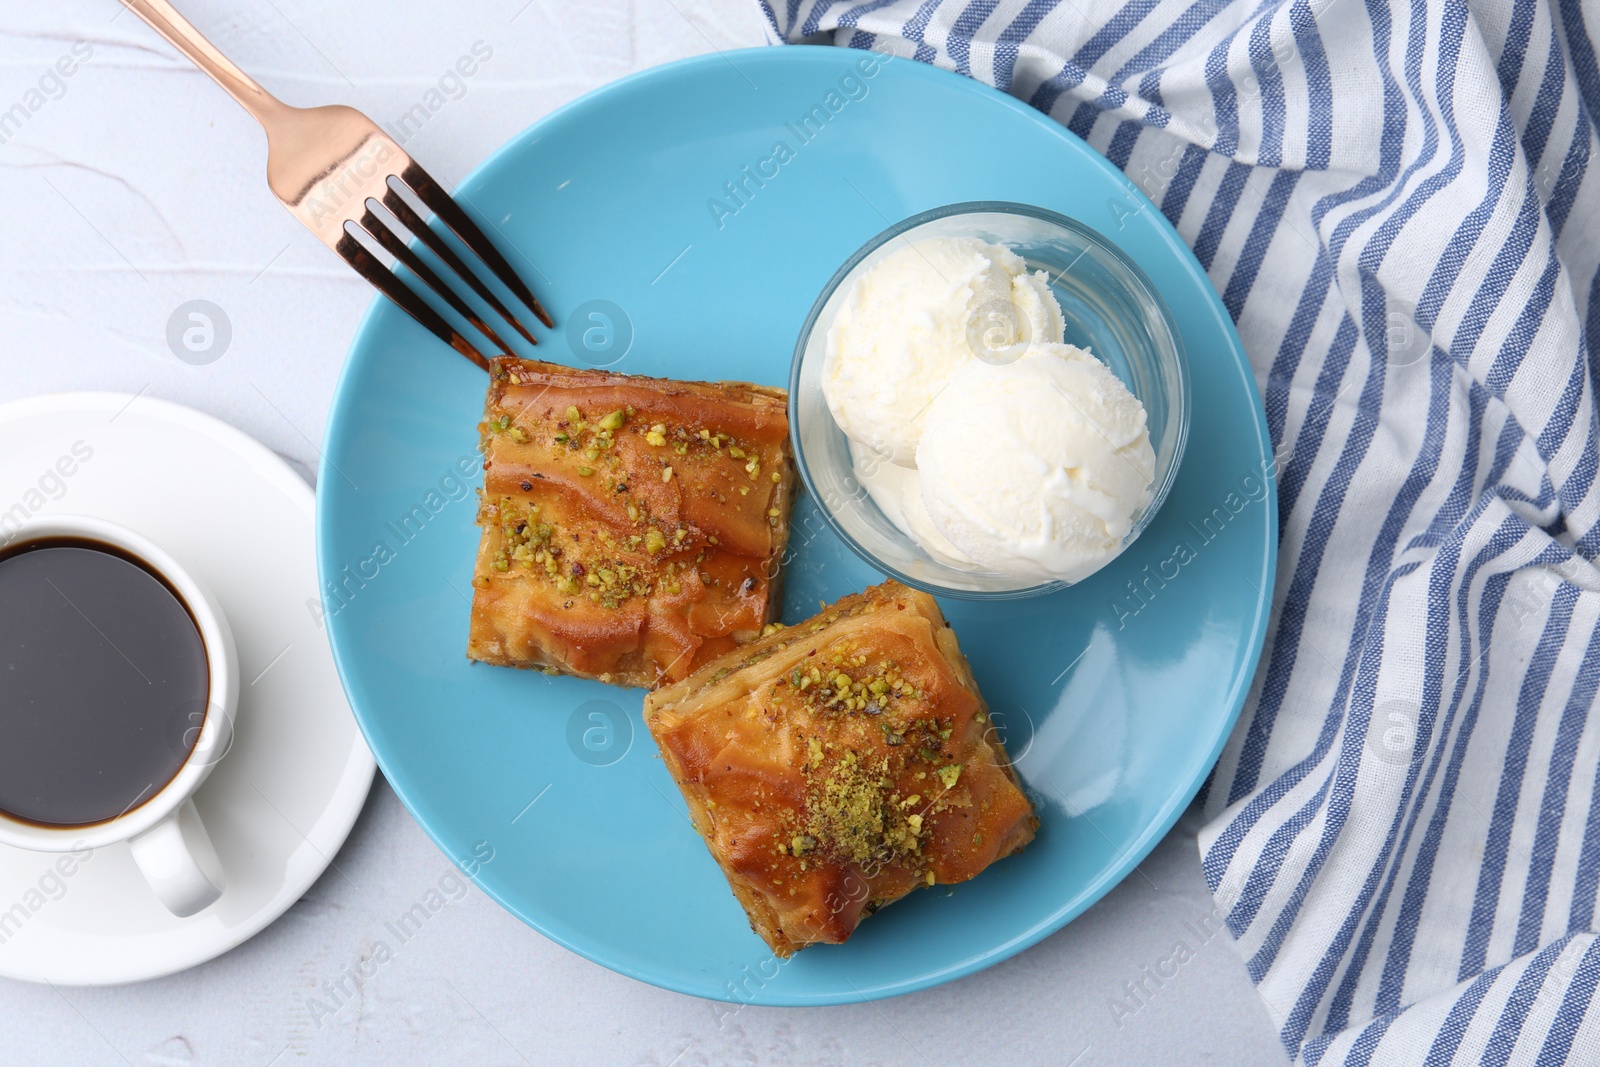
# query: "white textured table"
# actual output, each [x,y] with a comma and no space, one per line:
[131,187]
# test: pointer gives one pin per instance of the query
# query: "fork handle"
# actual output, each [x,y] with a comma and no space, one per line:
[165,20]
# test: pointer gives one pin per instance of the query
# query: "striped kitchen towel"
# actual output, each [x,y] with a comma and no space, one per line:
[1394,199]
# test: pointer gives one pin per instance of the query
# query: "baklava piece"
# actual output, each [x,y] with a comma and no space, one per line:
[835,766]
[633,527]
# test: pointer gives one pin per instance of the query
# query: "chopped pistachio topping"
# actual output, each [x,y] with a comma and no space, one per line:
[852,812]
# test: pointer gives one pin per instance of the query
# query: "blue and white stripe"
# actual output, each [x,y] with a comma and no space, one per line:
[1394,199]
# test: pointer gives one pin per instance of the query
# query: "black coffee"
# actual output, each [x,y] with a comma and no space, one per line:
[103,682]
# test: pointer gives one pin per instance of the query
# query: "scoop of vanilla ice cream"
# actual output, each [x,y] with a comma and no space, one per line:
[1035,469]
[916,317]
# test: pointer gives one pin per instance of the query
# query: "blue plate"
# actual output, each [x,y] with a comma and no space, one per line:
[668,232]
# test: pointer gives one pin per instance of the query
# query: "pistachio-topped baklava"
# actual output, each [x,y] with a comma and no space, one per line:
[633,528]
[834,766]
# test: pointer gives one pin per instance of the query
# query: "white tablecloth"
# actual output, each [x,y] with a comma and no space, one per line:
[136,187]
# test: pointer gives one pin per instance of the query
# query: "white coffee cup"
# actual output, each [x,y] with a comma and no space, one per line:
[168,840]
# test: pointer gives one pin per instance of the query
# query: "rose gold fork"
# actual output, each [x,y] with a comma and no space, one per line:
[331,166]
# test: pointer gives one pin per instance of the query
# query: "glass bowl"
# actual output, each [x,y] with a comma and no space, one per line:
[1110,308]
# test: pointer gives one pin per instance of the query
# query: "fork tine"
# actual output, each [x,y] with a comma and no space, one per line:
[397,248]
[444,205]
[389,283]
[414,222]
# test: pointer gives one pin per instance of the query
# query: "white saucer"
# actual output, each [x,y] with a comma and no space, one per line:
[280,804]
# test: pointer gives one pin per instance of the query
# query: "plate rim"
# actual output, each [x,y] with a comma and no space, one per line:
[355,779]
[1233,699]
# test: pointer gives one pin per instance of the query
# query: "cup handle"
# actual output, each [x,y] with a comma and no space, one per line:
[177,858]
